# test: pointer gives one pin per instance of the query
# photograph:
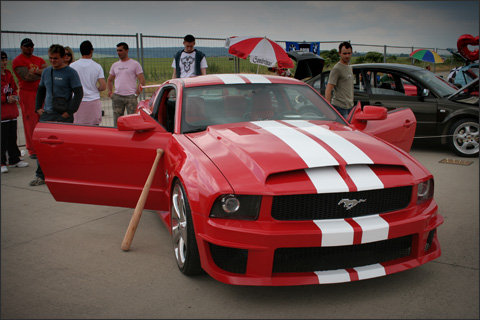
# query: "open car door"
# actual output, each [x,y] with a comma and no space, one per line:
[396,126]
[103,165]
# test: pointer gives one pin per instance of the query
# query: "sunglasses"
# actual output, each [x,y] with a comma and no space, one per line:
[68,54]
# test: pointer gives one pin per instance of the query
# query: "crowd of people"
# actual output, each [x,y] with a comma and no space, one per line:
[69,90]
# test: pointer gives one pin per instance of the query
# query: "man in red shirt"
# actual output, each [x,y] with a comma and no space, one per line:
[28,69]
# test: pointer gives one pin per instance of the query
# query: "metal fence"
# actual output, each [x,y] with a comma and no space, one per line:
[155,54]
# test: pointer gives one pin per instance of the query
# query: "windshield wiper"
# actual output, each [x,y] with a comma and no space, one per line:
[196,130]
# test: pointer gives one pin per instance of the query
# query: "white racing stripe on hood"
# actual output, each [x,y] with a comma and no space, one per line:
[364,177]
[347,150]
[312,153]
[230,78]
[256,78]
[327,180]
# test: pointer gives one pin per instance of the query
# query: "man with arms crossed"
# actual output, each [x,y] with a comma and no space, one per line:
[341,79]
[90,73]
[58,80]
[189,62]
[28,68]
[124,73]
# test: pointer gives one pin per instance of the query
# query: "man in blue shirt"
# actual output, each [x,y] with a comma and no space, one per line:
[58,80]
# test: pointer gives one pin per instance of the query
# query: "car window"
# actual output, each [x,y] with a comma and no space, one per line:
[222,104]
[358,82]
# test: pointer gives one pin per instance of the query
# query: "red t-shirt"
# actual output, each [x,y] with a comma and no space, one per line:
[23,61]
[9,110]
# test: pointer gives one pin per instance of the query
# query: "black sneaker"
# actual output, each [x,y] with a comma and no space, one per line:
[37,181]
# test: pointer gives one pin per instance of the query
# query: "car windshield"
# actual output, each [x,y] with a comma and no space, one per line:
[440,86]
[222,104]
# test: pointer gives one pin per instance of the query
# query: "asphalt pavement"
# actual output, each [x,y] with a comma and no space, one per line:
[63,260]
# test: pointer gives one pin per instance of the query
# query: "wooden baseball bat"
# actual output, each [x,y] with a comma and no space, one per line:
[132,226]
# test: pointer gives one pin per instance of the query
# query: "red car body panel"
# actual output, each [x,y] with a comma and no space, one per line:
[271,158]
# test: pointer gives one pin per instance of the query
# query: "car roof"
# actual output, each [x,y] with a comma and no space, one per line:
[391,66]
[235,78]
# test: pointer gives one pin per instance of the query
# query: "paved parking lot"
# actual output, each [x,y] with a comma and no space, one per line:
[62,260]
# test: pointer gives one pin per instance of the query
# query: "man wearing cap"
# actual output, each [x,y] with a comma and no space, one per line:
[28,68]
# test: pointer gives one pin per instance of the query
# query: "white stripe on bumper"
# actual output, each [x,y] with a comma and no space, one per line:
[335,232]
[333,276]
[370,271]
[374,228]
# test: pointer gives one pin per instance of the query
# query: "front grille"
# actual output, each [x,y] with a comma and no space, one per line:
[326,205]
[342,257]
[229,259]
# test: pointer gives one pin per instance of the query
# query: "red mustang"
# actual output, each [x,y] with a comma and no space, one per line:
[262,182]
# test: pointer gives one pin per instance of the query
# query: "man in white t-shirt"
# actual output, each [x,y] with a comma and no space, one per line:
[93,81]
[125,73]
[189,62]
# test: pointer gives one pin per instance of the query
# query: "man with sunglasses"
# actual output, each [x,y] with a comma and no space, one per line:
[28,68]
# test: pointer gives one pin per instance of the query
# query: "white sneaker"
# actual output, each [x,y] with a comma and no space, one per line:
[19,164]
[23,153]
[4,169]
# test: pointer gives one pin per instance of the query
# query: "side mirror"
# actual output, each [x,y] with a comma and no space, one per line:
[134,122]
[370,113]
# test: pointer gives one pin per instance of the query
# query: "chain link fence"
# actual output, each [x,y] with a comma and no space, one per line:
[155,54]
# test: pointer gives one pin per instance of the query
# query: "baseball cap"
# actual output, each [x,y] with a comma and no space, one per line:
[4,55]
[26,42]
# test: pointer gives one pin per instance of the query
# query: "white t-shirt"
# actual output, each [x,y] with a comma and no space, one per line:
[187,64]
[89,72]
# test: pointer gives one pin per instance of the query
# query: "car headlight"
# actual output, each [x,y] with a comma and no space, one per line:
[241,207]
[425,191]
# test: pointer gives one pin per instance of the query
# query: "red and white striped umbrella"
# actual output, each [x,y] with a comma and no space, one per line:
[261,51]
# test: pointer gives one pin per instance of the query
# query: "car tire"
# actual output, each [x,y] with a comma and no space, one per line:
[463,137]
[183,235]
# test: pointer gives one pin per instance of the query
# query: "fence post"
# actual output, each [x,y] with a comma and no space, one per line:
[384,54]
[413,60]
[140,48]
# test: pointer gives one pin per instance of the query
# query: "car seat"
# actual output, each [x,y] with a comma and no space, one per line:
[195,110]
[262,107]
[235,106]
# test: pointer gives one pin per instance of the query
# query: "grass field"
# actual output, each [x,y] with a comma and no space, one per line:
[158,70]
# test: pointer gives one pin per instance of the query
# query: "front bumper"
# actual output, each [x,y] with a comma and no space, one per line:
[267,252]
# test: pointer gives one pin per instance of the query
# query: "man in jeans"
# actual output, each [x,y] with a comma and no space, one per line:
[341,79]
[62,81]
[124,73]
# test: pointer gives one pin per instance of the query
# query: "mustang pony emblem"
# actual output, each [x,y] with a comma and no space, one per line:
[349,204]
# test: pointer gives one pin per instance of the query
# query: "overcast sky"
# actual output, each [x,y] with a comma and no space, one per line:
[436,24]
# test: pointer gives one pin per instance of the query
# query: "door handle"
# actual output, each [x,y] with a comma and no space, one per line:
[407,123]
[51,140]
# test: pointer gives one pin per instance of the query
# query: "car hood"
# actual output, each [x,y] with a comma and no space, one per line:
[257,153]
[457,96]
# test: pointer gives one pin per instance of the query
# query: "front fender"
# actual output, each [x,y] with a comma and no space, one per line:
[202,180]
